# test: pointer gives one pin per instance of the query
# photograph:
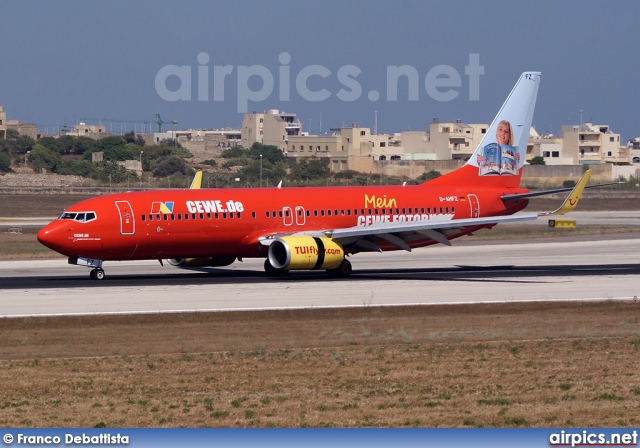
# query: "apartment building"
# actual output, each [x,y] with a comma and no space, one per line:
[455,141]
[273,127]
[588,144]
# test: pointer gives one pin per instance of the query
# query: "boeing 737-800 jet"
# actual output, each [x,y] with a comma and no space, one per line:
[306,228]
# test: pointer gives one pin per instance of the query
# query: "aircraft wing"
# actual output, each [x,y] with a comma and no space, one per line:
[364,238]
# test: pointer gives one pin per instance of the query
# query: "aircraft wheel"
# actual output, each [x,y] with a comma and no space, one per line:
[96,274]
[342,271]
[270,270]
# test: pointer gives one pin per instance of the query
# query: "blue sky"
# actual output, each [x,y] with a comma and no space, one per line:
[69,60]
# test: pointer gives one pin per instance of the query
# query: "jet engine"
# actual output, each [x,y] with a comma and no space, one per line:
[201,262]
[292,253]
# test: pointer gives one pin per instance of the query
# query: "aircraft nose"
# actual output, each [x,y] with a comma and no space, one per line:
[52,235]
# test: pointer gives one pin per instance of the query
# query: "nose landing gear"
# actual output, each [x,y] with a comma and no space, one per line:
[96,274]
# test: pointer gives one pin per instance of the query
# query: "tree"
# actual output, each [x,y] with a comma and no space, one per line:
[132,137]
[269,152]
[113,148]
[168,165]
[252,170]
[5,162]
[233,153]
[19,144]
[537,160]
[429,175]
[44,158]
[310,169]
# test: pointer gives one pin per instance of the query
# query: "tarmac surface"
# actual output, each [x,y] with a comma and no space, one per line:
[535,270]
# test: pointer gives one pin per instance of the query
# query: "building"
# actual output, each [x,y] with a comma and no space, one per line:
[455,141]
[28,129]
[201,142]
[588,144]
[91,131]
[3,123]
[273,127]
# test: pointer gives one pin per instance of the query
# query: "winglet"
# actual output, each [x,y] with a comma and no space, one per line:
[197,180]
[572,200]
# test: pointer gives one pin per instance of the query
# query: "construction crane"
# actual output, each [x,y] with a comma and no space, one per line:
[160,122]
[146,123]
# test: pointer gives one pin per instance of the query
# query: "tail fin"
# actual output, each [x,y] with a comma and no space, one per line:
[499,158]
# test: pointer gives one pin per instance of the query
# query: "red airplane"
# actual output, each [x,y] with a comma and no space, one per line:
[310,228]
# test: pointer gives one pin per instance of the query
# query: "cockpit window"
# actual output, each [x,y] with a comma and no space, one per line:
[78,216]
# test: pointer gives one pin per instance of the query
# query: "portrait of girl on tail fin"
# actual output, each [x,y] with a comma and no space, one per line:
[500,157]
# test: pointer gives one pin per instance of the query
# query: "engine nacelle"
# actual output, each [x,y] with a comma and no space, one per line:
[201,262]
[291,253]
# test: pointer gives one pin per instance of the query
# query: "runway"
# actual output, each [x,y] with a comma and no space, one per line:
[579,270]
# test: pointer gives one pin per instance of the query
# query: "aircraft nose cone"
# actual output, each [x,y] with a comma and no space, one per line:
[52,236]
[45,236]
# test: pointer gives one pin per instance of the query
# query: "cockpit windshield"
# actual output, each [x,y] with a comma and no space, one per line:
[78,216]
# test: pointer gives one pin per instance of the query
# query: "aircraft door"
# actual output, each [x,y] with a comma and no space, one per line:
[475,205]
[127,222]
[300,216]
[287,216]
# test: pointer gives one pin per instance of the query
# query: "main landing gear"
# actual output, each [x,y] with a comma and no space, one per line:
[342,271]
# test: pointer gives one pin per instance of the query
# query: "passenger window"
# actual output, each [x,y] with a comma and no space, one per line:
[179,217]
[315,213]
[216,215]
[440,210]
[370,212]
[201,215]
[166,217]
[231,215]
[150,217]
[267,214]
[239,216]
[208,215]
[253,214]
[362,211]
[224,216]
[355,212]
[453,209]
[422,210]
[280,213]
[287,213]
[329,212]
[376,210]
[144,217]
[336,213]
[186,216]
[193,216]
[348,212]
[173,217]
[308,213]
[321,212]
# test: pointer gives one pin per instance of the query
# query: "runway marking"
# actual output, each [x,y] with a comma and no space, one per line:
[284,308]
